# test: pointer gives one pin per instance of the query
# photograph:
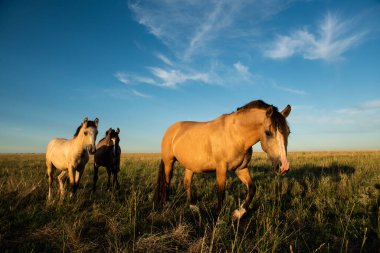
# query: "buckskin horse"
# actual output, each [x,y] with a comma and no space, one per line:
[221,145]
[71,155]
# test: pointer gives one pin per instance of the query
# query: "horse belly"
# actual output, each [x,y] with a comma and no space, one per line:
[195,155]
[55,153]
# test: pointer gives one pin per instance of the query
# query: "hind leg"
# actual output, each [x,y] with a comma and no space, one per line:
[50,169]
[61,186]
[168,168]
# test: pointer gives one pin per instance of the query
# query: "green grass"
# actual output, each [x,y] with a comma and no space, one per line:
[329,202]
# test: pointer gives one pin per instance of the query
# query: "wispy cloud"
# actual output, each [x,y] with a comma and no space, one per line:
[363,117]
[168,78]
[171,78]
[332,39]
[242,69]
[131,79]
[370,105]
[287,89]
[191,28]
[140,94]
[165,59]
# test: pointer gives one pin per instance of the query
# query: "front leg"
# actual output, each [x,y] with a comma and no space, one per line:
[221,175]
[246,179]
[72,174]
[115,180]
[78,175]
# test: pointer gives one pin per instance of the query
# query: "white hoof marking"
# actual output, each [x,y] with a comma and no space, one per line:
[239,213]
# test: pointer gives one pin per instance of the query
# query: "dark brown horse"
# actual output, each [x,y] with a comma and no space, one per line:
[224,144]
[108,155]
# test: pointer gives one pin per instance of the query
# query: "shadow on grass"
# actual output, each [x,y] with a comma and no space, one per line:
[334,171]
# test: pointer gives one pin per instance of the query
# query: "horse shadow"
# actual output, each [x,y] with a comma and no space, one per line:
[334,171]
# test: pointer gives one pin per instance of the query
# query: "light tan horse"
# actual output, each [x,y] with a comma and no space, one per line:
[71,155]
[108,155]
[221,145]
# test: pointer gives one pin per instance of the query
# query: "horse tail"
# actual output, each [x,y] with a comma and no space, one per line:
[161,193]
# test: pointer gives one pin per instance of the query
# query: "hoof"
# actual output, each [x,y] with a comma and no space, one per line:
[238,213]
[194,208]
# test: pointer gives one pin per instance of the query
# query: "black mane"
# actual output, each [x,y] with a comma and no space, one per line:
[278,120]
[90,123]
[259,104]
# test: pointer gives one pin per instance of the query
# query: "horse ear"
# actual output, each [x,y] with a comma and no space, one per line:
[96,121]
[109,131]
[286,111]
[269,111]
[117,130]
[85,120]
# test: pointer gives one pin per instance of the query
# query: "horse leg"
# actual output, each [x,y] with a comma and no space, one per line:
[109,177]
[221,176]
[49,173]
[246,179]
[187,185]
[72,173]
[115,181]
[78,176]
[61,186]
[96,171]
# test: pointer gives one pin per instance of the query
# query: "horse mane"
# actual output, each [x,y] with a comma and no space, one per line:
[90,123]
[259,104]
[278,120]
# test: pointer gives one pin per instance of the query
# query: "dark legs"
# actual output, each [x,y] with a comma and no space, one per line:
[110,170]
[96,171]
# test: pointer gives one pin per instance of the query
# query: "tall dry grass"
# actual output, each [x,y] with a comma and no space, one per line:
[329,202]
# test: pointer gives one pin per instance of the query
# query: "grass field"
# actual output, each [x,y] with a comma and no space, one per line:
[328,202]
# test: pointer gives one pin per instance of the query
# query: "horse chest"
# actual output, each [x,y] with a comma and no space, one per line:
[80,159]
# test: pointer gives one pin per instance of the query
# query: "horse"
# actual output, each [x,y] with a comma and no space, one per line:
[108,155]
[221,145]
[71,155]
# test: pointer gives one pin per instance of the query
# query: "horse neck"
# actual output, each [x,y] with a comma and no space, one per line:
[78,143]
[106,141]
[248,126]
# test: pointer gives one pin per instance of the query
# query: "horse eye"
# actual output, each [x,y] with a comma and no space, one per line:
[268,133]
[85,132]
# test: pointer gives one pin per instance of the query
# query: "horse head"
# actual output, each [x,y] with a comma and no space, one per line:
[274,137]
[89,131]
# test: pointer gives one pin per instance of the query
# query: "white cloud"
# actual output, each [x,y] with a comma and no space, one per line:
[287,89]
[140,94]
[331,40]
[131,79]
[191,28]
[371,104]
[164,59]
[242,69]
[172,78]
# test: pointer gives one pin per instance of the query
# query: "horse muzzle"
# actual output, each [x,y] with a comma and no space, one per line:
[92,149]
[281,168]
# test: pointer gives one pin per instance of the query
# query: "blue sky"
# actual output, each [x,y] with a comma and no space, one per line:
[143,65]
